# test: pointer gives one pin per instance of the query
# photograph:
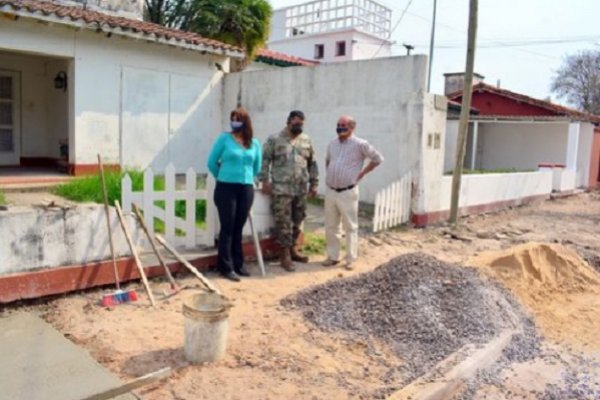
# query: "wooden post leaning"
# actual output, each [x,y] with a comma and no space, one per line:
[138,263]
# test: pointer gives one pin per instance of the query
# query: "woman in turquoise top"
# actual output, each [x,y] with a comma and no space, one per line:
[235,161]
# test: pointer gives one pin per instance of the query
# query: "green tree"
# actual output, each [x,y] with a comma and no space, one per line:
[578,80]
[243,23]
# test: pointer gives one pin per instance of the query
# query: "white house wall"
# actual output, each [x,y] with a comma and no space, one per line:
[366,47]
[521,145]
[584,153]
[358,46]
[165,94]
[96,82]
[384,95]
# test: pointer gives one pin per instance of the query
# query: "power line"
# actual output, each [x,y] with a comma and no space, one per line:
[518,43]
[491,41]
[394,28]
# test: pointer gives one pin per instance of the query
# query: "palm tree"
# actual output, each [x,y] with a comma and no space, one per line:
[244,23]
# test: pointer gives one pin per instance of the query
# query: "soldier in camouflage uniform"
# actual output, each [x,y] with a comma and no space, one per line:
[289,174]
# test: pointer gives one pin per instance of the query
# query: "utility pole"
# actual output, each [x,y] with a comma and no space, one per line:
[431,45]
[463,125]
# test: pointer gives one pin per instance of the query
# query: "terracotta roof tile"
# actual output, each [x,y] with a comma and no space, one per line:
[281,58]
[150,30]
[556,108]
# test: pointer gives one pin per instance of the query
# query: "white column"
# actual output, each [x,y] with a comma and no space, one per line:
[474,143]
[572,146]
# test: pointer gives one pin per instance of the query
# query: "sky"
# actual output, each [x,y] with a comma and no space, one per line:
[521,43]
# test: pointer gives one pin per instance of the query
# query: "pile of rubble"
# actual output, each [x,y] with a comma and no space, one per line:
[422,308]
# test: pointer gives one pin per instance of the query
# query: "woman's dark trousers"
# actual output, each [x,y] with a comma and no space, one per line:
[233,201]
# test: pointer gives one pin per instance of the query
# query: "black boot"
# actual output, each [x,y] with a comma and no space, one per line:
[232,276]
[242,271]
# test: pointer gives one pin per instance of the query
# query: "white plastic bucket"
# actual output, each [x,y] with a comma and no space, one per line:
[206,327]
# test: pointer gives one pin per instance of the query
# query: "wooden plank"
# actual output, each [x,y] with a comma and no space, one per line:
[186,263]
[131,385]
[445,386]
[134,252]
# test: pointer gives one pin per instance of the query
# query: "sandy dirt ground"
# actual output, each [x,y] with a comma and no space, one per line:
[274,354]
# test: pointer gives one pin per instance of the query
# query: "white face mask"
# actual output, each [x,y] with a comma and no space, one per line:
[236,125]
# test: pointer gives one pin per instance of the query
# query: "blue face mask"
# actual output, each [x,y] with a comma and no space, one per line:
[341,130]
[236,125]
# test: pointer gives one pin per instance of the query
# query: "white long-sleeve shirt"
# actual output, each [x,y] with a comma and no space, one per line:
[345,160]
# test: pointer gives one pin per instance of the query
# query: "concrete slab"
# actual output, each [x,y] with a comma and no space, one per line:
[39,363]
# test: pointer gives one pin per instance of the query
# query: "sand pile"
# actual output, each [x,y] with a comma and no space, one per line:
[555,283]
[545,266]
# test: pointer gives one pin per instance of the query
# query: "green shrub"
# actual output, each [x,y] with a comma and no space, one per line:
[2,198]
[89,189]
[317,201]
[314,243]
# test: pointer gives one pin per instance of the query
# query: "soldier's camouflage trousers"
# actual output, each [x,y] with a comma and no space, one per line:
[289,213]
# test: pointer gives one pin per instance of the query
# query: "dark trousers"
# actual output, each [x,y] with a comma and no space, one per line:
[233,201]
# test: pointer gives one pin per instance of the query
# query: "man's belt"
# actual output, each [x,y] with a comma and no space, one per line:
[342,189]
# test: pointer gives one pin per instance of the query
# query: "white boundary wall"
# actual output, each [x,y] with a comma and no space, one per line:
[492,188]
[34,238]
[384,95]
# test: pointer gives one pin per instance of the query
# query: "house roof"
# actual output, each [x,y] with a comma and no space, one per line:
[547,105]
[281,59]
[456,105]
[101,22]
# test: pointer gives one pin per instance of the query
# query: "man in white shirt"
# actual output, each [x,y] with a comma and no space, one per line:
[344,169]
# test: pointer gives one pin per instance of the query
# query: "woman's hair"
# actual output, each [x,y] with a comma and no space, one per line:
[242,115]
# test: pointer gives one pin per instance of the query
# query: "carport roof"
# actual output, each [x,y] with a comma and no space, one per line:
[100,22]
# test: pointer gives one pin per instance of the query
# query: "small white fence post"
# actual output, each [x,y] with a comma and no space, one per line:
[392,204]
[191,185]
[148,198]
[174,226]
[169,217]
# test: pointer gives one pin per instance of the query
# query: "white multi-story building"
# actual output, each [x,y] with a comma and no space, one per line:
[332,30]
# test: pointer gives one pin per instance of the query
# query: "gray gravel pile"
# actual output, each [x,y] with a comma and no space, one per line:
[580,381]
[423,308]
[524,346]
[591,258]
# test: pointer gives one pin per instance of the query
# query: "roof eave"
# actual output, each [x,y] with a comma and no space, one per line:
[106,28]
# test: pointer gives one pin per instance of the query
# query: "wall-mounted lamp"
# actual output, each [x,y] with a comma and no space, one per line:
[60,81]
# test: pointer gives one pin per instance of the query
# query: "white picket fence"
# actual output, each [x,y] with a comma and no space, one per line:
[178,231]
[392,204]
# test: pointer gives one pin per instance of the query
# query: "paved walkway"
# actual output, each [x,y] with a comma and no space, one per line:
[38,363]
